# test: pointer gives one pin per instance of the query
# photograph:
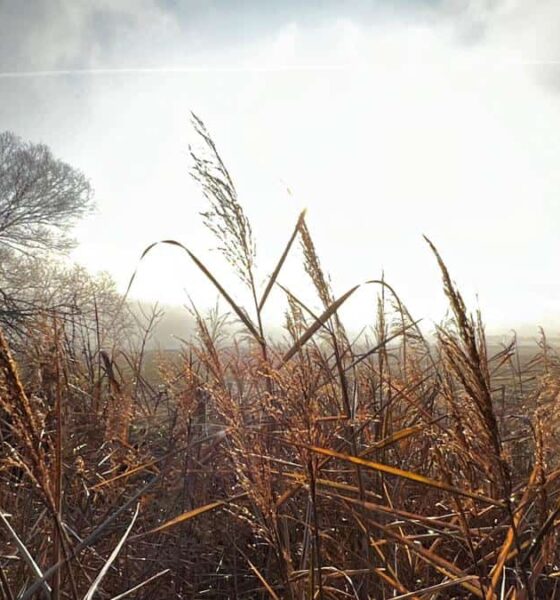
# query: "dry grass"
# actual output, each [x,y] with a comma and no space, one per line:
[313,468]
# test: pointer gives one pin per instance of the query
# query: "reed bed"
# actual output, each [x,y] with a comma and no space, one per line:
[315,467]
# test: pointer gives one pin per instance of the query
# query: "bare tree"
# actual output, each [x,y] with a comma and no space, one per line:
[41,197]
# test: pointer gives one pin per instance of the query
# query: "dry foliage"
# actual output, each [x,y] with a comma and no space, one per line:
[313,468]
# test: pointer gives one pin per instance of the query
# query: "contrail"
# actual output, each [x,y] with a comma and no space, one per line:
[158,70]
[261,69]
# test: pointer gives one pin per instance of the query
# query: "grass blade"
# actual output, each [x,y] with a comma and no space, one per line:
[382,344]
[140,585]
[191,514]
[395,437]
[280,264]
[410,475]
[111,559]
[236,308]
[265,583]
[321,320]
[26,554]
[436,588]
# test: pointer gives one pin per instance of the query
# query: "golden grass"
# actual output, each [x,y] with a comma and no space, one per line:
[315,468]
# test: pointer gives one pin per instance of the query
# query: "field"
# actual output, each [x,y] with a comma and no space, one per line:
[243,467]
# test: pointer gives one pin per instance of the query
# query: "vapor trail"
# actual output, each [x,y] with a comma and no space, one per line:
[266,68]
[158,70]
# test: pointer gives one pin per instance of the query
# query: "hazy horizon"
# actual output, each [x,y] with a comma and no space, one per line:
[386,121]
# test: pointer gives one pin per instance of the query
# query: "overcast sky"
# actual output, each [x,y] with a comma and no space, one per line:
[386,120]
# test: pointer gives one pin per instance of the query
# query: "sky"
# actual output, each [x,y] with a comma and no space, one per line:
[386,120]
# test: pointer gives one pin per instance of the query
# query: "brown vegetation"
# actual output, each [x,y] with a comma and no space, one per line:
[312,468]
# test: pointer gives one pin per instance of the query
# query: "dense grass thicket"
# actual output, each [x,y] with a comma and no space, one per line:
[313,468]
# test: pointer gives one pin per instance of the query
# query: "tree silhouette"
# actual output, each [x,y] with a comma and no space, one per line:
[41,197]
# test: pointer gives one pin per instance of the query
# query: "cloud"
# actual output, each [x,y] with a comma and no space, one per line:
[434,128]
[519,32]
[38,35]
[45,35]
